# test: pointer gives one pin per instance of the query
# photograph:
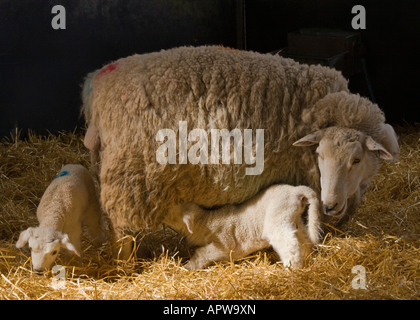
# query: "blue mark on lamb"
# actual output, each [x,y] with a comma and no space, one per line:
[61,174]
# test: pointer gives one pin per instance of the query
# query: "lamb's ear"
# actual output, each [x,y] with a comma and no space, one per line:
[310,139]
[65,243]
[372,145]
[24,238]
[188,220]
[389,141]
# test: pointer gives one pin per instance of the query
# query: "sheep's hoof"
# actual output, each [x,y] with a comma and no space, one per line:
[123,250]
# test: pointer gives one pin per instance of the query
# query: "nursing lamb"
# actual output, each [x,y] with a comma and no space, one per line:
[68,201]
[273,217]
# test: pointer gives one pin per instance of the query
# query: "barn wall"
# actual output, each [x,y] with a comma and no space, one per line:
[41,69]
[391,40]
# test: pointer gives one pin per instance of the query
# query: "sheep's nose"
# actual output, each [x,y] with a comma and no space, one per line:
[329,209]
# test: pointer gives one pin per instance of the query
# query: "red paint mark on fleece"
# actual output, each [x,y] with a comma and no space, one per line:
[109,68]
[228,49]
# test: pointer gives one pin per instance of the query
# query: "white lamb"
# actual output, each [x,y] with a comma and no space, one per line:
[273,217]
[69,201]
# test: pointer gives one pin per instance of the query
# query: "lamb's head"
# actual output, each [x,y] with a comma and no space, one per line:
[45,244]
[347,160]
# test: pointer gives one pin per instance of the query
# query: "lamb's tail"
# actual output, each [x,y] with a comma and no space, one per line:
[314,219]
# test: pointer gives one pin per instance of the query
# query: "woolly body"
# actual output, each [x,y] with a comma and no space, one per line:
[69,200]
[209,87]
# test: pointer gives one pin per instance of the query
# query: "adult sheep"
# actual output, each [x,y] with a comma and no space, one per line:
[127,102]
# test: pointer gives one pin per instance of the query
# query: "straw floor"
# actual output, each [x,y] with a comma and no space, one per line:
[383,237]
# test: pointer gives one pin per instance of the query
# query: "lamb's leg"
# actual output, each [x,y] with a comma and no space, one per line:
[206,254]
[285,242]
[75,238]
[71,259]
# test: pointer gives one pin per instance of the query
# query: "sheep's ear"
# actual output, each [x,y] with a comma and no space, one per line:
[309,140]
[24,238]
[188,220]
[65,243]
[372,145]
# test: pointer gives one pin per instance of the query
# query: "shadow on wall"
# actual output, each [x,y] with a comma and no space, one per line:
[391,41]
[42,68]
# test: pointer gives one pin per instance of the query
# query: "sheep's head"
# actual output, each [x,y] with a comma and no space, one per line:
[347,160]
[45,244]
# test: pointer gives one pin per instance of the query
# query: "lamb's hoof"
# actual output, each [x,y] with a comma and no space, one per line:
[191,266]
[292,265]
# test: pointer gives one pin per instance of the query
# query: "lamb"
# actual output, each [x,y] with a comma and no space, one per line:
[68,201]
[127,102]
[273,217]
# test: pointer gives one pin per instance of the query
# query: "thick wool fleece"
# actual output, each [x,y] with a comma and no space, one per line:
[131,99]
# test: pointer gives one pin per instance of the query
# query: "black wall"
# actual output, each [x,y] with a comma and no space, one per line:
[391,40]
[41,69]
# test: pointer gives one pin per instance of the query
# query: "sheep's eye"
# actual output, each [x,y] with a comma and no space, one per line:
[54,252]
[356,161]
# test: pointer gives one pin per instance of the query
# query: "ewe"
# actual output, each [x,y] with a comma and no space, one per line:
[129,101]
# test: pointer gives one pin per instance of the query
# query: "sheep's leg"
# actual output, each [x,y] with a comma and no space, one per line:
[117,202]
[206,254]
[285,242]
[305,242]
[122,245]
[95,224]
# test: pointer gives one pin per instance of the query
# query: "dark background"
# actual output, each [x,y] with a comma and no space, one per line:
[41,69]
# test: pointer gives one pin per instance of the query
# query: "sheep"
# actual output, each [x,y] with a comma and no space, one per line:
[68,201]
[347,160]
[127,102]
[273,217]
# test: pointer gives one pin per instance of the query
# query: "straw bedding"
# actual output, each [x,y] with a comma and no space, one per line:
[383,237]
